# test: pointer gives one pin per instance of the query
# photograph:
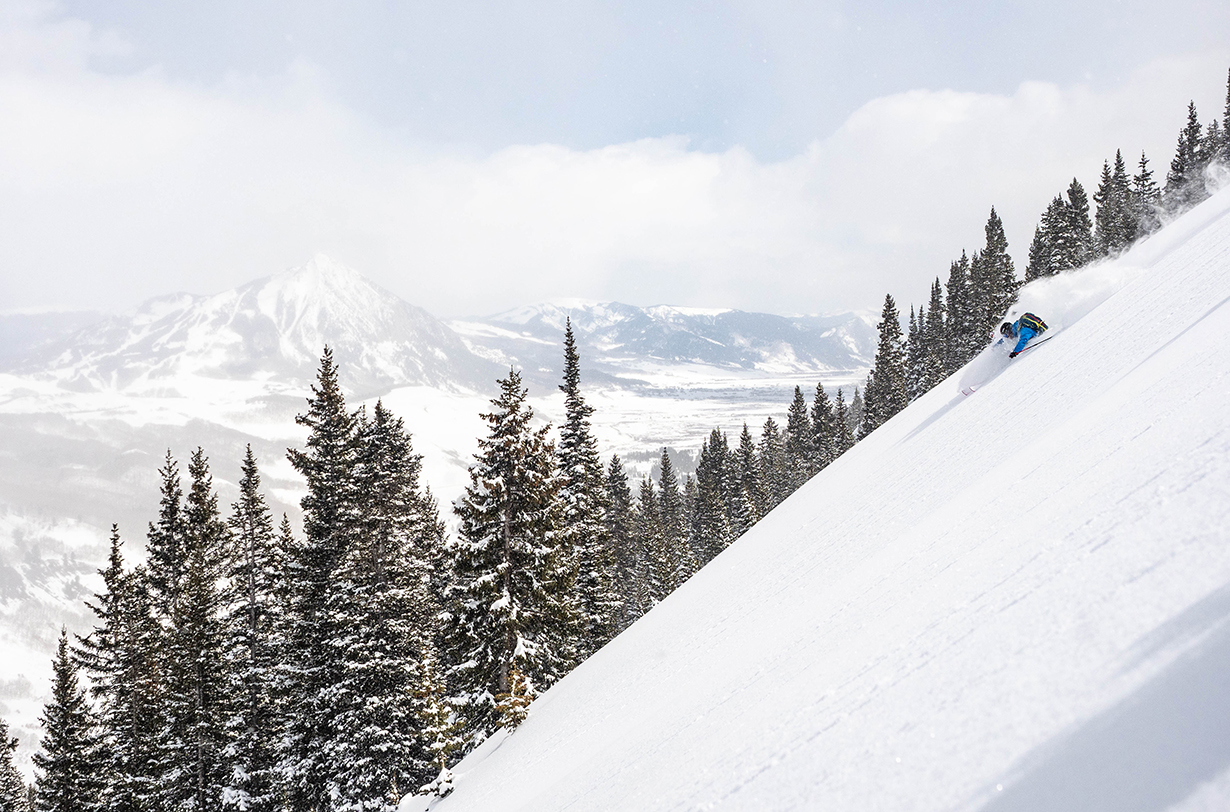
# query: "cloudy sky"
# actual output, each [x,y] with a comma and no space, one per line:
[779,156]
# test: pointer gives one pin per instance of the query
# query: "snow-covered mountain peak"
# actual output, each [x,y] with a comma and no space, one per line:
[271,329]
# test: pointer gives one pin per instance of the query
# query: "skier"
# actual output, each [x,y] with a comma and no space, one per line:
[1023,329]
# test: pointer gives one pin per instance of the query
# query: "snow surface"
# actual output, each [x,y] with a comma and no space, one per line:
[1017,600]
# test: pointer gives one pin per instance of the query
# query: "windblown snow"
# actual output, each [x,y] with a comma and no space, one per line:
[1018,600]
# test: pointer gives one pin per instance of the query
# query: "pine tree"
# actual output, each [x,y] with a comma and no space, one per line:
[712,528]
[583,497]
[886,394]
[824,428]
[799,442]
[1146,199]
[384,618]
[962,323]
[509,604]
[252,650]
[843,440]
[748,473]
[997,274]
[13,794]
[915,358]
[771,460]
[673,519]
[193,738]
[1185,181]
[1114,226]
[1043,257]
[934,339]
[629,555]
[327,464]
[69,761]
[166,547]
[442,729]
[1225,126]
[1211,145]
[660,561]
[856,412]
[1072,244]
[121,657]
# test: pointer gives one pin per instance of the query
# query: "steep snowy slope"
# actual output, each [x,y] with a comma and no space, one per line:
[1018,600]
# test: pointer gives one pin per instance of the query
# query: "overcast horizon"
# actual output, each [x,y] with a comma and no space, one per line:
[783,158]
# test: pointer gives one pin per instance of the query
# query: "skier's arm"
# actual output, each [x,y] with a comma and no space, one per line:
[1027,334]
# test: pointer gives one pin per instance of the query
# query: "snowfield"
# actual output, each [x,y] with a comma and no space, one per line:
[1017,600]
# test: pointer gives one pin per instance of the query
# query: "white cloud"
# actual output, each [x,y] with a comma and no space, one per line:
[118,187]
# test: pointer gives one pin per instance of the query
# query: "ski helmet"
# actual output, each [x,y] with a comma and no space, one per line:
[1006,328]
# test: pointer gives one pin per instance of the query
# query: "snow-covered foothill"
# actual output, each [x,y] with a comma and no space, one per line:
[1018,600]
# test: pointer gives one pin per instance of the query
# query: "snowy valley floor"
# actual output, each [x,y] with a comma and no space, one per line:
[1017,600]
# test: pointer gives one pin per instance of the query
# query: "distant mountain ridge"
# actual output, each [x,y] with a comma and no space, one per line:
[618,338]
[272,330]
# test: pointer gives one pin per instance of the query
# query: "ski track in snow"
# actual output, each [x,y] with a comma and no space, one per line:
[1018,600]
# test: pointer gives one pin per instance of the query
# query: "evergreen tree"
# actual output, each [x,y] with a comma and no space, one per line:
[934,339]
[1225,126]
[799,442]
[747,473]
[1071,236]
[963,327]
[994,280]
[13,794]
[166,547]
[583,497]
[661,563]
[69,762]
[384,618]
[673,519]
[1114,224]
[824,428]
[1043,259]
[327,464]
[1146,199]
[843,440]
[886,394]
[193,737]
[121,657]
[775,476]
[509,603]
[856,412]
[629,554]
[252,649]
[1185,181]
[712,528]
[442,729]
[915,358]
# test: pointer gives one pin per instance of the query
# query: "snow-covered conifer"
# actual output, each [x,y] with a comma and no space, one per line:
[674,521]
[14,796]
[195,684]
[252,650]
[843,440]
[775,476]
[327,465]
[1146,199]
[629,555]
[509,604]
[122,659]
[886,392]
[69,761]
[384,619]
[583,497]
[800,442]
[1185,180]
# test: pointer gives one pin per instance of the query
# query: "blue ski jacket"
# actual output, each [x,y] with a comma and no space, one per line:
[1024,335]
